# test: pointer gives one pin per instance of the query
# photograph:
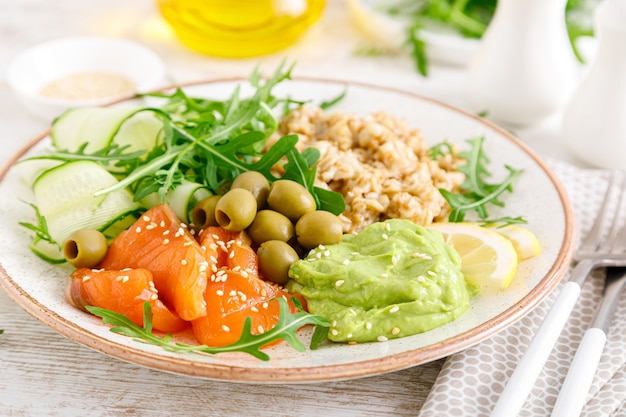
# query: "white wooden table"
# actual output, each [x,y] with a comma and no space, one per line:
[44,374]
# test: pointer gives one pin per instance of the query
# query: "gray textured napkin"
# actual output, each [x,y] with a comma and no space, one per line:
[470,381]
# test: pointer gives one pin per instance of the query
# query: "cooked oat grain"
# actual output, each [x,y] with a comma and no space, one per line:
[379,164]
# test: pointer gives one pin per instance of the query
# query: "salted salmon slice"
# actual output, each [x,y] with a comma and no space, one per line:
[124,292]
[162,244]
[232,297]
[230,249]
[235,290]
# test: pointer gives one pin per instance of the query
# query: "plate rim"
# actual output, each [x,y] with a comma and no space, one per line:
[371,367]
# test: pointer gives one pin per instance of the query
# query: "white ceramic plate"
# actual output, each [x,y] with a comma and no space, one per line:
[39,288]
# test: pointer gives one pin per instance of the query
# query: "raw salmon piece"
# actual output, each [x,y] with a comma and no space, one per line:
[123,292]
[229,249]
[230,299]
[160,243]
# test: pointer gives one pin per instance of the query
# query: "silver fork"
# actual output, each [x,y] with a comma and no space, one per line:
[594,251]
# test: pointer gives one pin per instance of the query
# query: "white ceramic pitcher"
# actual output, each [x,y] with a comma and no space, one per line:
[594,123]
[525,69]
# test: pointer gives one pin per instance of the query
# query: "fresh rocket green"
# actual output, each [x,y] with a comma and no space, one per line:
[476,193]
[285,329]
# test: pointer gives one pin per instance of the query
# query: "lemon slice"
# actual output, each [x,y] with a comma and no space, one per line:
[379,28]
[524,241]
[489,259]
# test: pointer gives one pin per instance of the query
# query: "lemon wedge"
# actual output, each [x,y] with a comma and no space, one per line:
[524,241]
[488,259]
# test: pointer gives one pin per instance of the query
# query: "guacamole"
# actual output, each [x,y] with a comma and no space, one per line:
[392,279]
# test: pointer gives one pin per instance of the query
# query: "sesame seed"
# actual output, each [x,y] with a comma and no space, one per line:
[212,277]
[154,297]
[183,261]
[138,229]
[212,246]
[166,241]
[382,339]
[395,331]
[421,278]
[244,273]
[388,227]
[256,310]
[349,335]
[339,283]
[180,232]
[166,232]
[327,253]
[213,268]
[219,292]
[162,224]
[150,226]
[334,323]
[384,236]
[431,273]
[346,261]
[242,296]
[213,259]
[322,247]
[368,326]
[119,278]
[265,305]
[318,255]
[231,255]
[394,259]
[232,293]
[334,332]
[310,259]
[214,236]
[236,269]
[260,329]
[146,218]
[225,328]
[188,243]
[394,309]
[263,292]
[86,278]
[354,253]
[384,275]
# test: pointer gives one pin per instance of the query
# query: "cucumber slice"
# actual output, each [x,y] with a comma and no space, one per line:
[64,196]
[94,125]
[141,131]
[181,199]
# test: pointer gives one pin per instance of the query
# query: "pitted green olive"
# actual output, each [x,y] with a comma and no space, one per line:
[235,210]
[291,199]
[256,183]
[203,213]
[319,228]
[275,259]
[85,248]
[270,225]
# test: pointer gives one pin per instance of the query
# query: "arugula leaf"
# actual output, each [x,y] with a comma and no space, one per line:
[285,329]
[476,193]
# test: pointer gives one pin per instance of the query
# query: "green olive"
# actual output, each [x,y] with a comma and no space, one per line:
[270,225]
[275,259]
[319,228]
[254,182]
[291,199]
[85,248]
[235,210]
[203,214]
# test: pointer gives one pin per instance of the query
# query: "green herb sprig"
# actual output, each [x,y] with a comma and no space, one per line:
[476,193]
[285,329]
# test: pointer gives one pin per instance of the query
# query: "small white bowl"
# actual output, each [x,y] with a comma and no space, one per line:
[35,67]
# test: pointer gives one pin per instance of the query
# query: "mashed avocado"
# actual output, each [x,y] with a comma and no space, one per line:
[393,279]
